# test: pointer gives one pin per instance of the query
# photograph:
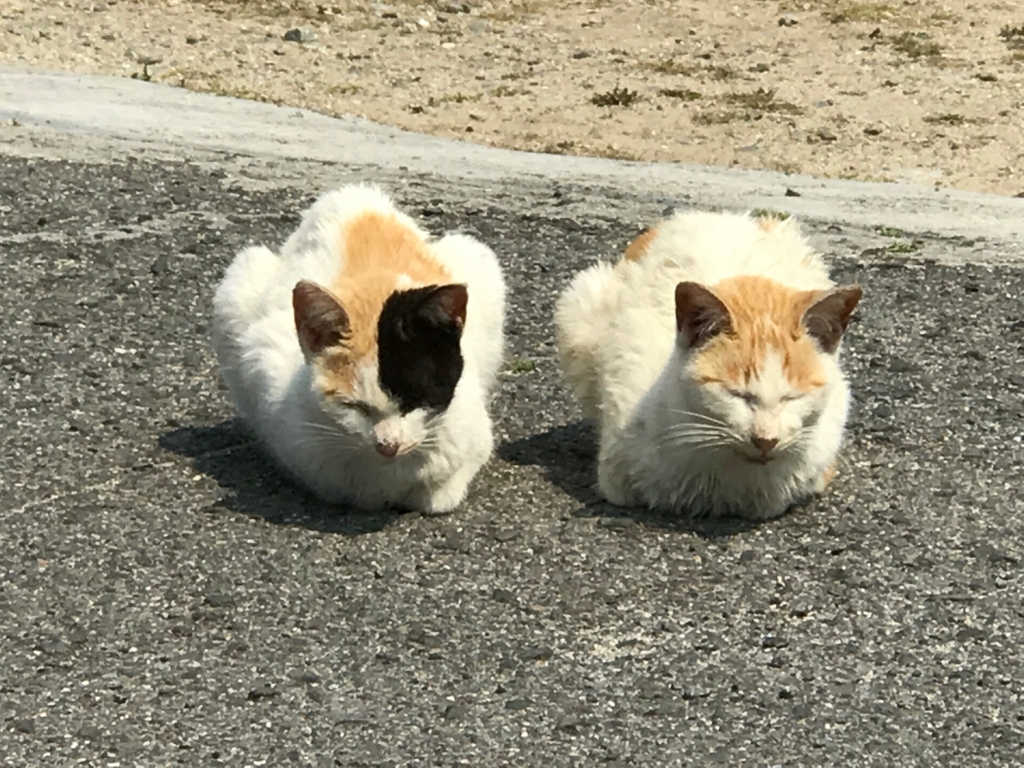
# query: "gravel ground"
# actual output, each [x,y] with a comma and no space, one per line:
[927,91]
[168,599]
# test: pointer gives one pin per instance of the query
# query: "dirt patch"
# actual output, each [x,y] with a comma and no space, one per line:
[912,90]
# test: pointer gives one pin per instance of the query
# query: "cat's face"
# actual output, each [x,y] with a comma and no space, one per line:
[388,386]
[761,358]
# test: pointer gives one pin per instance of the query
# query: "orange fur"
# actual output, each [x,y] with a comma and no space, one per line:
[378,250]
[828,474]
[768,223]
[636,249]
[765,315]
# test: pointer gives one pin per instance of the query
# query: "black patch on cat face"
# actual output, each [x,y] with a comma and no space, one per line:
[418,353]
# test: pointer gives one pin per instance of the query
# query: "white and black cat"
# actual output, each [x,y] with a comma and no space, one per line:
[363,355]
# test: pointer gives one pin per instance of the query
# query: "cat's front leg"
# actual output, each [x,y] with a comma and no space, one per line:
[614,483]
[825,478]
[444,498]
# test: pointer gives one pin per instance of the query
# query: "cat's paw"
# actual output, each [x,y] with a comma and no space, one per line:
[443,499]
[825,478]
[618,491]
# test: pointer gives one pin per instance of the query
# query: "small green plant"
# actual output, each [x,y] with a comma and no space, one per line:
[344,90]
[505,90]
[1013,36]
[616,97]
[763,99]
[904,246]
[451,98]
[946,118]
[680,93]
[916,45]
[673,67]
[521,365]
[720,117]
[885,231]
[768,213]
[864,12]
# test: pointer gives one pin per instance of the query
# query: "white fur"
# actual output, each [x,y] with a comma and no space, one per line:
[330,448]
[618,345]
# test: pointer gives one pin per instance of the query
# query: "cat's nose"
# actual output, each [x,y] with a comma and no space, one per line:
[387,448]
[764,444]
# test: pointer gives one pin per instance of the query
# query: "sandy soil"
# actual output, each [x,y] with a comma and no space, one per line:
[911,90]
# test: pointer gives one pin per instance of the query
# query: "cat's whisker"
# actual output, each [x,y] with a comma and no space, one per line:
[680,432]
[707,418]
[695,441]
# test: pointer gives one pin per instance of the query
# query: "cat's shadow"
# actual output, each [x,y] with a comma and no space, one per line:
[568,456]
[253,486]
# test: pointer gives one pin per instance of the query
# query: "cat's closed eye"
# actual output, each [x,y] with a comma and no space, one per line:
[748,397]
[364,408]
[792,396]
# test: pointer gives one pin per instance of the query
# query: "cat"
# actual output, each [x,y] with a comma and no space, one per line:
[363,355]
[708,358]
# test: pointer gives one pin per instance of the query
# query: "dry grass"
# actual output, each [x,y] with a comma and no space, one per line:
[718,117]
[616,97]
[682,94]
[916,45]
[763,100]
[686,69]
[874,13]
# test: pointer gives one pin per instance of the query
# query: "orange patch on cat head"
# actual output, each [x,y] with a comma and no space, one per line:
[636,249]
[763,316]
[377,249]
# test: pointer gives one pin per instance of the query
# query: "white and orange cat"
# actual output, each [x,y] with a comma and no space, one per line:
[708,357]
[364,353]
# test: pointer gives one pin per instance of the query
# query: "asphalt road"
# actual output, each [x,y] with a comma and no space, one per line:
[167,598]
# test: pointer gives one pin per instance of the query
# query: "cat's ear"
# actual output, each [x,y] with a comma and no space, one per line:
[700,315]
[444,306]
[826,319]
[320,321]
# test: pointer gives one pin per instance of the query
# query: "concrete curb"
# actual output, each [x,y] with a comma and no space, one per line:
[159,115]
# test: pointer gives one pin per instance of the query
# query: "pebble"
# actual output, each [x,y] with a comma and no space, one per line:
[455,8]
[25,726]
[970,633]
[160,265]
[478,27]
[517,705]
[789,20]
[262,690]
[538,653]
[455,711]
[300,35]
[218,600]
[567,722]
[503,596]
[89,732]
